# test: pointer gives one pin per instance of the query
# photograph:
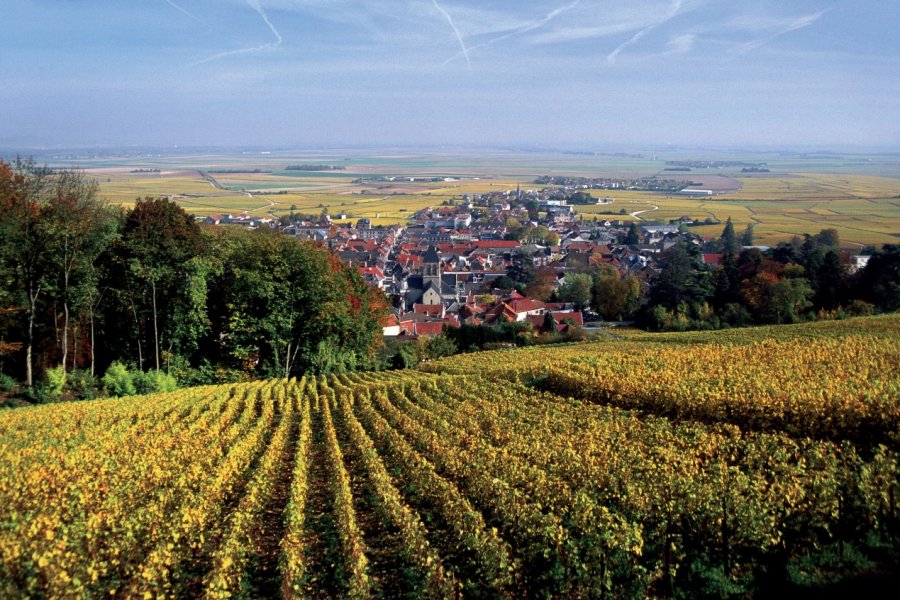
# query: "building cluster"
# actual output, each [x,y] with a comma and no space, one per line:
[441,268]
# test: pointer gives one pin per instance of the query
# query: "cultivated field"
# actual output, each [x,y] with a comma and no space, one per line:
[859,195]
[744,462]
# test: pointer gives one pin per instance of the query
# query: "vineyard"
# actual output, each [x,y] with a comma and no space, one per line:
[629,468]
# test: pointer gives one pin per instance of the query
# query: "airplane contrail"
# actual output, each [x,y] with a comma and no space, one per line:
[462,45]
[183,10]
[612,56]
[524,29]
[255,5]
[794,25]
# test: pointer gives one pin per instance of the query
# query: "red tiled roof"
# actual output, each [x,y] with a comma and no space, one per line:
[537,321]
[521,305]
[429,328]
[435,310]
[574,315]
[581,247]
[374,271]
[497,244]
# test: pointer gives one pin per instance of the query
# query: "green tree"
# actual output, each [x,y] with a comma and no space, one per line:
[550,324]
[830,285]
[729,239]
[747,235]
[440,346]
[828,239]
[682,279]
[634,235]
[289,306]
[160,239]
[879,281]
[788,299]
[577,289]
[727,281]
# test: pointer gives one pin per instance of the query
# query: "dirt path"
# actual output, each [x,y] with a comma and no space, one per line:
[320,540]
[459,557]
[640,212]
[389,573]
[265,578]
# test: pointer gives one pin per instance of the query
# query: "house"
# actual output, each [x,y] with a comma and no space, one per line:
[562,318]
[392,327]
[712,259]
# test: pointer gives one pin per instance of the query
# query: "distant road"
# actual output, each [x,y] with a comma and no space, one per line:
[640,212]
[213,182]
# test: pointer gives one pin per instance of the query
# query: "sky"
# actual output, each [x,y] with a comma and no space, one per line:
[576,74]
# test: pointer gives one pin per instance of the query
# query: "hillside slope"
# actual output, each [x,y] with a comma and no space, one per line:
[727,464]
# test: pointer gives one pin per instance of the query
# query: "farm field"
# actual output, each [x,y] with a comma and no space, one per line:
[857,195]
[739,462]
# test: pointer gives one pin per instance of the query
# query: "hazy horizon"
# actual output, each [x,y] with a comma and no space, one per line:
[312,74]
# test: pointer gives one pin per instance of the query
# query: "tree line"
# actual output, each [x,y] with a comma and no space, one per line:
[806,278]
[84,284]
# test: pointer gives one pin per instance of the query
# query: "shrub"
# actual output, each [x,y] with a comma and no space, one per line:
[860,308]
[405,358]
[118,381]
[7,383]
[153,382]
[440,346]
[83,384]
[56,382]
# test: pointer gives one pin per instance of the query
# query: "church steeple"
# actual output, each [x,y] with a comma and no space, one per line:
[431,267]
[518,192]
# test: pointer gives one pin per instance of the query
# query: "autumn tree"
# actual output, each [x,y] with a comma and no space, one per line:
[541,285]
[24,261]
[614,297]
[79,228]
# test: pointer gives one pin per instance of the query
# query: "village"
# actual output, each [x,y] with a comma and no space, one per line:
[457,263]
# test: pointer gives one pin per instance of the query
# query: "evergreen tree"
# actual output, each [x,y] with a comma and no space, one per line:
[879,282]
[729,239]
[830,284]
[550,323]
[747,235]
[634,235]
[682,280]
[727,281]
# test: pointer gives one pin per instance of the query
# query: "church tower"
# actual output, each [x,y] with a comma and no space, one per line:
[431,277]
[431,267]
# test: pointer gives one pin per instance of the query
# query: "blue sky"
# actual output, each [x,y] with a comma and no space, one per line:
[572,73]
